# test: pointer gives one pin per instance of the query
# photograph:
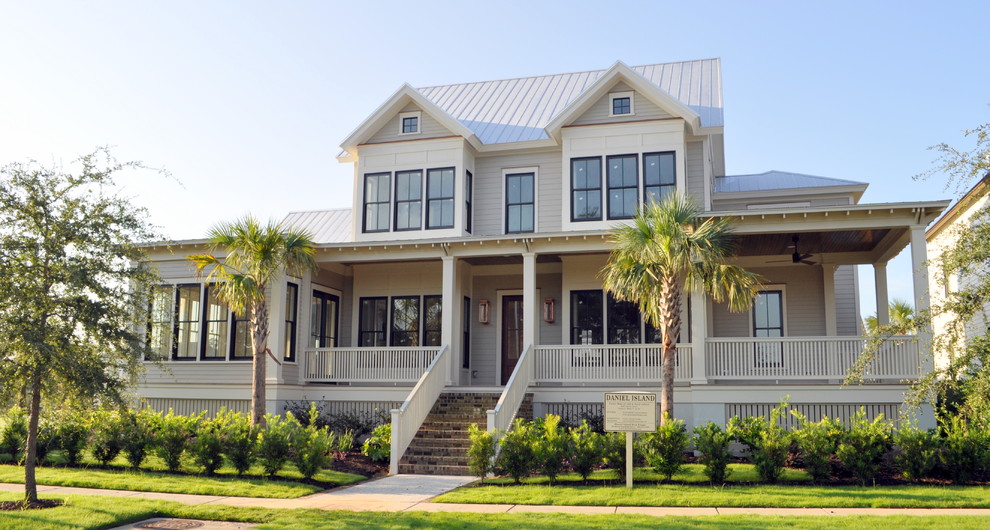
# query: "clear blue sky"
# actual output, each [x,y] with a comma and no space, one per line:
[245,103]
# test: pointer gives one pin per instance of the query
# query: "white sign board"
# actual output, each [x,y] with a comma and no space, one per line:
[630,412]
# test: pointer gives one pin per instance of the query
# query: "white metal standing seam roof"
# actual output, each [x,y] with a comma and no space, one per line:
[325,226]
[777,180]
[518,110]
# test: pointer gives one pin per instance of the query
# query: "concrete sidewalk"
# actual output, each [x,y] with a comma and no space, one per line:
[412,493]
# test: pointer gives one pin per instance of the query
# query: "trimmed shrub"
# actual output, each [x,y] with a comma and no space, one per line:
[917,451]
[275,442]
[614,452]
[515,457]
[664,449]
[768,443]
[106,435]
[713,444]
[206,447]
[14,434]
[586,449]
[238,439]
[964,450]
[312,445]
[817,442]
[378,447]
[70,437]
[549,446]
[172,434]
[137,432]
[863,446]
[481,453]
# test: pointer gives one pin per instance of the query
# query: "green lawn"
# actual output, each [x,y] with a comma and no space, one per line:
[103,512]
[697,493]
[152,478]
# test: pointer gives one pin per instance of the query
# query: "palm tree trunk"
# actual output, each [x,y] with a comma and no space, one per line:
[259,338]
[31,444]
[670,319]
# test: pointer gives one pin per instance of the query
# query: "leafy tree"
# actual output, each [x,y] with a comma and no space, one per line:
[70,319]
[667,249]
[255,255]
[901,315]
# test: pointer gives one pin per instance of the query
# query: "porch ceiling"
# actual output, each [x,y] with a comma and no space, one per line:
[811,242]
[510,260]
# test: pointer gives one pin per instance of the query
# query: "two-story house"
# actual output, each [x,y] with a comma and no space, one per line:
[470,262]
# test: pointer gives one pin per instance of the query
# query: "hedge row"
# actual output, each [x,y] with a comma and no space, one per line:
[106,434]
[957,450]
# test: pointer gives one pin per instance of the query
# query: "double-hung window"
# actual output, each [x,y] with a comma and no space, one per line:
[468,199]
[658,176]
[376,202]
[432,320]
[405,321]
[372,321]
[440,198]
[323,320]
[586,317]
[519,203]
[623,322]
[243,347]
[768,321]
[291,314]
[586,186]
[623,186]
[408,200]
[187,323]
[216,335]
[160,323]
[466,344]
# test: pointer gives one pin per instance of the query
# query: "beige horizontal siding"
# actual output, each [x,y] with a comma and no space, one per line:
[489,194]
[428,128]
[643,109]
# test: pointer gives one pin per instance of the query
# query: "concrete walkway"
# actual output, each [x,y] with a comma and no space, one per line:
[412,493]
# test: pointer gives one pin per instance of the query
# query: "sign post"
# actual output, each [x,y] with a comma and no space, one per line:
[630,412]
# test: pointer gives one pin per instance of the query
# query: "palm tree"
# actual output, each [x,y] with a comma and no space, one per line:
[666,250]
[901,317]
[256,254]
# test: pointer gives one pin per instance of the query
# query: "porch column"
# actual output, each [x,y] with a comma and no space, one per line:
[880,281]
[828,273]
[531,311]
[919,272]
[699,332]
[447,315]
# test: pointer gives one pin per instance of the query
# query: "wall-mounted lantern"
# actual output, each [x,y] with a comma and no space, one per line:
[549,311]
[483,312]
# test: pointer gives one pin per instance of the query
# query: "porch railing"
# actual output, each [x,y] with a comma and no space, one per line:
[596,363]
[808,358]
[367,365]
[513,394]
[407,419]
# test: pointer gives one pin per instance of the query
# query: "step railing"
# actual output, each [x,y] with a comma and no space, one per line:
[407,419]
[366,365]
[612,363]
[500,418]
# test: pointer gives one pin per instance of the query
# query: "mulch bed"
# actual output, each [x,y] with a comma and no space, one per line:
[10,506]
[360,464]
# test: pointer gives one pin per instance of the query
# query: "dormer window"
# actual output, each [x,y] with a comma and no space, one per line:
[409,123]
[621,103]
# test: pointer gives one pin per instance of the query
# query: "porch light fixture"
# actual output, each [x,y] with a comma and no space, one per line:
[483,312]
[549,312]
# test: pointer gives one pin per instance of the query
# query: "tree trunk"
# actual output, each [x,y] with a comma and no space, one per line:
[259,339]
[31,444]
[670,326]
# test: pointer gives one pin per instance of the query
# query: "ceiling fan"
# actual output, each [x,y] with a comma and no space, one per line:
[797,256]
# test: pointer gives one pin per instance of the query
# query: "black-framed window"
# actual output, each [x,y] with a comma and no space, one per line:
[187,324]
[440,198]
[468,198]
[376,202]
[768,314]
[243,348]
[586,189]
[323,315]
[160,332]
[408,200]
[291,318]
[466,338]
[621,105]
[432,320]
[215,323]
[520,205]
[659,176]
[623,186]
[586,317]
[410,124]
[372,321]
[623,321]
[653,335]
[405,321]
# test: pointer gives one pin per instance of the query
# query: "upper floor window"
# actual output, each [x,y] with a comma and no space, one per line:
[623,186]
[409,122]
[376,202]
[621,103]
[468,199]
[520,202]
[408,200]
[658,176]
[586,186]
[440,198]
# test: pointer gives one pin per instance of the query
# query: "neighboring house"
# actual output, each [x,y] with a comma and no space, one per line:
[478,229]
[941,236]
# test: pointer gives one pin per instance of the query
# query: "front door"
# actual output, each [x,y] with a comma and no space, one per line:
[512,334]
